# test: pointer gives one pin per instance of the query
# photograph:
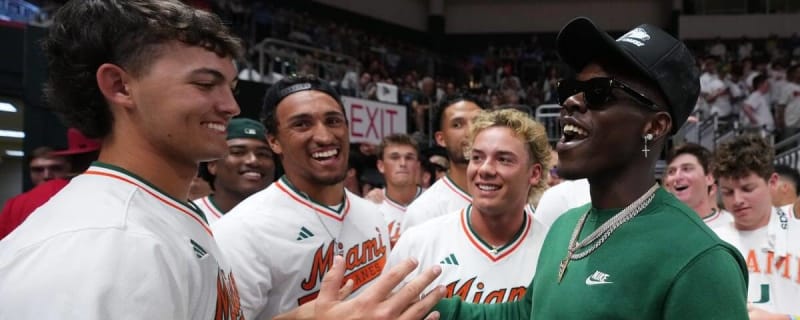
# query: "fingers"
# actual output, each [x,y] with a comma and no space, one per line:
[331,282]
[411,291]
[419,309]
[346,290]
[389,280]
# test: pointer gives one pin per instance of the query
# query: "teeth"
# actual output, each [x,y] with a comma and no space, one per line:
[488,187]
[252,174]
[215,126]
[325,154]
[568,128]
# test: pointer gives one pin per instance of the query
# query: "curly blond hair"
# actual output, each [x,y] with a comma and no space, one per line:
[742,155]
[531,131]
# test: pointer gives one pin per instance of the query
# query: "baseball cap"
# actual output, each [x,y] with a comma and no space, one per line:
[246,128]
[77,143]
[654,53]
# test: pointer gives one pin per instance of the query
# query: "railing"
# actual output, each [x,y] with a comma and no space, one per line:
[789,149]
[547,115]
[285,58]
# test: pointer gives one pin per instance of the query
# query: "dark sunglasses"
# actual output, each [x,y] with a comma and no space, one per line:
[597,92]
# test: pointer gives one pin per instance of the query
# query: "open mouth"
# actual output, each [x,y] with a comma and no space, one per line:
[572,132]
[487,187]
[218,127]
[681,188]
[251,174]
[325,155]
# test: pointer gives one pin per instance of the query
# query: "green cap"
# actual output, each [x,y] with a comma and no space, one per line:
[246,128]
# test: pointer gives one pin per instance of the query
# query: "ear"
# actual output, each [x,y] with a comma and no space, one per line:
[536,174]
[659,125]
[351,172]
[113,83]
[772,182]
[272,140]
[709,180]
[212,167]
[380,166]
[439,136]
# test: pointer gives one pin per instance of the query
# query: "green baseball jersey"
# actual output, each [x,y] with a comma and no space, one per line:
[664,263]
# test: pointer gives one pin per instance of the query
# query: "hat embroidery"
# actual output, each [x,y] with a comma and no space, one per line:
[636,37]
[249,131]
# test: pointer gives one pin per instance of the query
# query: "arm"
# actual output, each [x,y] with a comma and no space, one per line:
[715,273]
[760,314]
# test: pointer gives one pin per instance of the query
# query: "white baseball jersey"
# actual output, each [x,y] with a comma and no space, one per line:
[393,213]
[112,246]
[772,254]
[280,244]
[209,208]
[719,218]
[441,198]
[561,197]
[471,268]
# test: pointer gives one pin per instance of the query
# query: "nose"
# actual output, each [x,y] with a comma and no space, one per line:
[487,168]
[573,104]
[228,104]
[738,199]
[250,157]
[322,134]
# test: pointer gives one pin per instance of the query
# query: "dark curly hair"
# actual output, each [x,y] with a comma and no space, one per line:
[742,155]
[129,33]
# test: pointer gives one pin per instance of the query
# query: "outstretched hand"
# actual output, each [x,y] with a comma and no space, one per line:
[377,301]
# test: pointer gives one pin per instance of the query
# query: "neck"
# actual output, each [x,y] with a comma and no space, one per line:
[171,175]
[497,229]
[328,195]
[226,200]
[704,209]
[620,190]
[458,173]
[401,194]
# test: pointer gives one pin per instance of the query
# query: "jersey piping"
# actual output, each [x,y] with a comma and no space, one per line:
[494,254]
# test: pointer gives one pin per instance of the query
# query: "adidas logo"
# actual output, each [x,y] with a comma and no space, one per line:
[451,259]
[198,250]
[304,234]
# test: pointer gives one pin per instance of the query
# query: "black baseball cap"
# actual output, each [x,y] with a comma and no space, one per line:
[654,53]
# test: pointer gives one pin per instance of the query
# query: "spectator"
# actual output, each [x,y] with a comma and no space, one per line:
[45,166]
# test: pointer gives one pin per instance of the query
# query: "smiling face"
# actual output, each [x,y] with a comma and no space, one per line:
[247,168]
[500,171]
[456,120]
[601,139]
[400,165]
[686,180]
[311,139]
[748,199]
[180,106]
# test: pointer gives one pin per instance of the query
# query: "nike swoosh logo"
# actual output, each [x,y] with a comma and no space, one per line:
[592,282]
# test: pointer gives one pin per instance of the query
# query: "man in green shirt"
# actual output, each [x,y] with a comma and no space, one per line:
[634,252]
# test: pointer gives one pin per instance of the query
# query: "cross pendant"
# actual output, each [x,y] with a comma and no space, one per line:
[645,150]
[562,268]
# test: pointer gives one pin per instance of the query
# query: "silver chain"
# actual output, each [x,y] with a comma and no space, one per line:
[596,238]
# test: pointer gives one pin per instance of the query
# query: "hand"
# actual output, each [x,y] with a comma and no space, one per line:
[306,311]
[761,314]
[377,301]
[375,195]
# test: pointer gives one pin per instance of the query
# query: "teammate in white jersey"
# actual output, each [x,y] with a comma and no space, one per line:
[154,81]
[283,239]
[398,162]
[451,126]
[247,168]
[763,234]
[689,178]
[488,250]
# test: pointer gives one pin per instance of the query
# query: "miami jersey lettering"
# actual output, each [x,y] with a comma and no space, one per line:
[772,254]
[472,269]
[281,244]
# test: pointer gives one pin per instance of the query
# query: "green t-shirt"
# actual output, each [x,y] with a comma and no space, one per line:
[662,264]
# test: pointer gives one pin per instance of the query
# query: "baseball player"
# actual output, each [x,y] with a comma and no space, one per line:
[767,236]
[398,161]
[690,179]
[282,240]
[634,252]
[247,168]
[488,250]
[154,80]
[448,194]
